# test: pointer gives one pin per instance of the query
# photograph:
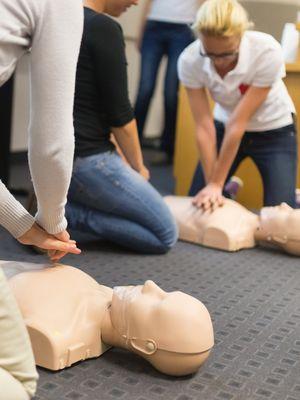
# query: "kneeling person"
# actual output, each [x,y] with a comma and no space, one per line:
[108,197]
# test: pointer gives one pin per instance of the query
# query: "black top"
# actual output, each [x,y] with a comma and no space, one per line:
[101,96]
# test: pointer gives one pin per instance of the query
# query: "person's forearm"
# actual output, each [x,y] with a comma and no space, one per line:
[128,141]
[208,151]
[53,64]
[232,139]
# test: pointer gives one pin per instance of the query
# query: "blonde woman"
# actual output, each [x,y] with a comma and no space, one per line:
[253,117]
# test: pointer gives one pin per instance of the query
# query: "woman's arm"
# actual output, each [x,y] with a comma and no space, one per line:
[128,140]
[53,62]
[111,76]
[235,129]
[205,129]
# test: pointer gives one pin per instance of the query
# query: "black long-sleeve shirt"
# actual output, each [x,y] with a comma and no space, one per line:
[101,97]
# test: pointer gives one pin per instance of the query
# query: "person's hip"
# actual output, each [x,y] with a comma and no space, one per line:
[284,138]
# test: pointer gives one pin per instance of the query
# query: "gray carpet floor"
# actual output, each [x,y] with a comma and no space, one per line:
[254,300]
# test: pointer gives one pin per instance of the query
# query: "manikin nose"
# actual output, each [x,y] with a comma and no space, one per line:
[151,288]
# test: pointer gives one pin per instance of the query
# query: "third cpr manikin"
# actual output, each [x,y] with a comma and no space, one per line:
[232,227]
[70,317]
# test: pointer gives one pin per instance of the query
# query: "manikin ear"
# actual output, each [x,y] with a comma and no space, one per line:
[148,346]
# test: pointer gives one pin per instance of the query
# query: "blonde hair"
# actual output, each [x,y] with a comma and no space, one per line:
[222,18]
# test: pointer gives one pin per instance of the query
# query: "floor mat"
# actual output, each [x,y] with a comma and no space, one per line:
[254,300]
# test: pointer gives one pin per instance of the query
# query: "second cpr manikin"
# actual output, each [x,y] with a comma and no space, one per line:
[232,227]
[70,317]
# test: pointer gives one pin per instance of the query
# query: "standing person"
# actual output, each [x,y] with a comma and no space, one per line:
[50,30]
[165,32]
[109,198]
[243,71]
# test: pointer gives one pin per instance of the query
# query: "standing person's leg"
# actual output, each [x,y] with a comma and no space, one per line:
[179,37]
[18,376]
[152,51]
[275,154]
[113,202]
[198,181]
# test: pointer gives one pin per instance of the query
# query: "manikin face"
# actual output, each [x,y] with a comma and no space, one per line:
[118,7]
[223,51]
[147,315]
[282,211]
[281,221]
[274,219]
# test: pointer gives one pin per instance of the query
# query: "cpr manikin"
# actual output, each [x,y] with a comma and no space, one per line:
[230,227]
[280,226]
[70,317]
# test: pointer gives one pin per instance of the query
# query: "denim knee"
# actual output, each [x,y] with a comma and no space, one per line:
[169,237]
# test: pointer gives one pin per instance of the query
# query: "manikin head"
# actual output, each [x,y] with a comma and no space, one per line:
[220,26]
[112,7]
[280,225]
[173,331]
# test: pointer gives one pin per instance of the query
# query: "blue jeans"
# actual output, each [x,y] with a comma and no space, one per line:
[275,155]
[161,39]
[110,201]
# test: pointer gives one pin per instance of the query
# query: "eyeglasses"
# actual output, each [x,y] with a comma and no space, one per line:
[224,56]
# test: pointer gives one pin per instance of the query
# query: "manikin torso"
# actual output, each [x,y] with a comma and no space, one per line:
[63,309]
[230,227]
[70,317]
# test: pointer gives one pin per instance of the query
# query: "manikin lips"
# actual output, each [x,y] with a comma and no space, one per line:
[243,88]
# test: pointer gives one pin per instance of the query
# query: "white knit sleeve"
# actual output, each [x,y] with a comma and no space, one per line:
[53,62]
[13,215]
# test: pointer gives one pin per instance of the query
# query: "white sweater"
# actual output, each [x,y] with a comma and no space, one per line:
[51,30]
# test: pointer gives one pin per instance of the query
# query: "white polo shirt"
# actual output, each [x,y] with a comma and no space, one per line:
[260,64]
[177,11]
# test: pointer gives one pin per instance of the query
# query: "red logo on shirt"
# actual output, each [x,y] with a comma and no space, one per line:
[243,88]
